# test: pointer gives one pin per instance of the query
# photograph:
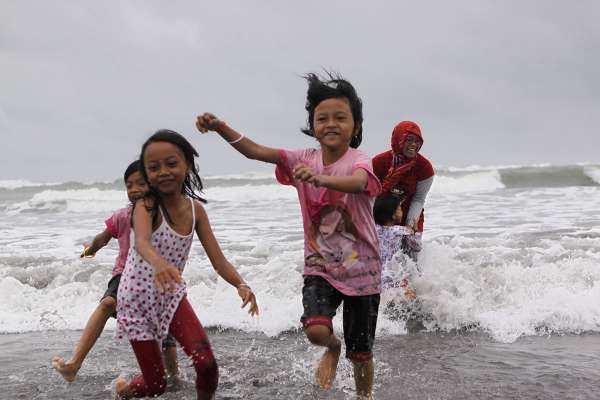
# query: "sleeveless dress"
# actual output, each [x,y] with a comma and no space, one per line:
[143,313]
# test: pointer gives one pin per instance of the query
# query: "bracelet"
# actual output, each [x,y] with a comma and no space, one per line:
[236,140]
[243,285]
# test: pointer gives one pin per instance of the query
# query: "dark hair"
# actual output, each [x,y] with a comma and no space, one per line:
[192,185]
[333,86]
[385,206]
[131,169]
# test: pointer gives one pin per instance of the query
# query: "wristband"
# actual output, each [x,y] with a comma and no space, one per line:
[243,285]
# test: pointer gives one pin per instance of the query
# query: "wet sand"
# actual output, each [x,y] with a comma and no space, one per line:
[254,366]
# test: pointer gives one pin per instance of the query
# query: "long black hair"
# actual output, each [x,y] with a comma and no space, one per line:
[332,86]
[192,184]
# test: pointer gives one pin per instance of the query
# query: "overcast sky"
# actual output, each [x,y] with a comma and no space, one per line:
[83,83]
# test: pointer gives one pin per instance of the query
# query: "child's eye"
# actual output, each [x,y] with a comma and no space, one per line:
[172,164]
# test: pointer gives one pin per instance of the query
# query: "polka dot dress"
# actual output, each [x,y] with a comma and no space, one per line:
[143,313]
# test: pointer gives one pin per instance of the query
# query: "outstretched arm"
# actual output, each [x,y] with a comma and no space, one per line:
[99,241]
[165,274]
[254,151]
[219,262]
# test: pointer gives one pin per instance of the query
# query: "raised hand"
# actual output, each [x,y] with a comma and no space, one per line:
[208,122]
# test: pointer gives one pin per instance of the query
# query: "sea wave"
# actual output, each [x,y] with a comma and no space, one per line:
[23,196]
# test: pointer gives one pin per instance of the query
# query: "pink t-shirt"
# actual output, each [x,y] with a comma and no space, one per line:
[340,241]
[119,226]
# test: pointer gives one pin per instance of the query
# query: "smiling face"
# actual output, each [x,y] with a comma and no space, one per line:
[166,167]
[411,147]
[333,124]
[136,186]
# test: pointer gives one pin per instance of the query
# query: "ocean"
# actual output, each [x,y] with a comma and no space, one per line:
[509,291]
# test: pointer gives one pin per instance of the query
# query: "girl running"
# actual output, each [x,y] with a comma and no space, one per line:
[336,186]
[118,227]
[152,296]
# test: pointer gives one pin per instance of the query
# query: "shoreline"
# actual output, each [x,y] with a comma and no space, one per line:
[254,366]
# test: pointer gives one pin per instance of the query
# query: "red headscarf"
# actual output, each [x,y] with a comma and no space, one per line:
[401,164]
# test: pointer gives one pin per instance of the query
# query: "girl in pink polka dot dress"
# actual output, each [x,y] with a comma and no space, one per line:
[152,298]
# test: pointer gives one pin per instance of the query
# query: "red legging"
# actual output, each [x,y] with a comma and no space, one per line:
[188,332]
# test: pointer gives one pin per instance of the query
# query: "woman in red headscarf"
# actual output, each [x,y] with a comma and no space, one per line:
[402,169]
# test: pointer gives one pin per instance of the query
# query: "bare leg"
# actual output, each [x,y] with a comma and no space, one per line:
[363,377]
[321,335]
[91,333]
[170,358]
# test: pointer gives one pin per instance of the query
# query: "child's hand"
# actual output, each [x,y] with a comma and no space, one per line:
[247,296]
[166,278]
[86,251]
[307,174]
[208,122]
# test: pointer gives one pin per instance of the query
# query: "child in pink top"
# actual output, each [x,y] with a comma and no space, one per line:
[118,226]
[336,187]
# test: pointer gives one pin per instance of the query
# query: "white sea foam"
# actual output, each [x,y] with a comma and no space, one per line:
[509,262]
[77,201]
[20,183]
[472,182]
[593,171]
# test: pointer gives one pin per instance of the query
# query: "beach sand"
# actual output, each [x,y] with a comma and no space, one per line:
[254,366]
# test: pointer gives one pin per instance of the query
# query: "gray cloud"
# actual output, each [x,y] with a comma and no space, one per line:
[490,82]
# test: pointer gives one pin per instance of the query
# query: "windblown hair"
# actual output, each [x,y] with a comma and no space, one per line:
[192,185]
[333,86]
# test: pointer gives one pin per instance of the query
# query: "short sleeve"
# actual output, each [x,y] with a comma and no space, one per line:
[288,160]
[112,227]
[424,169]
[362,161]
[119,222]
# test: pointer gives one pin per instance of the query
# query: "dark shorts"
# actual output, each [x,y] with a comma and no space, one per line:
[113,289]
[321,300]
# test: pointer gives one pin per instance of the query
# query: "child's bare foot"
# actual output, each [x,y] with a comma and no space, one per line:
[121,388]
[67,370]
[327,368]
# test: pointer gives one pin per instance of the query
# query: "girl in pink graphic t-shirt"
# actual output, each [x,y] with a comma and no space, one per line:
[336,187]
[118,226]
